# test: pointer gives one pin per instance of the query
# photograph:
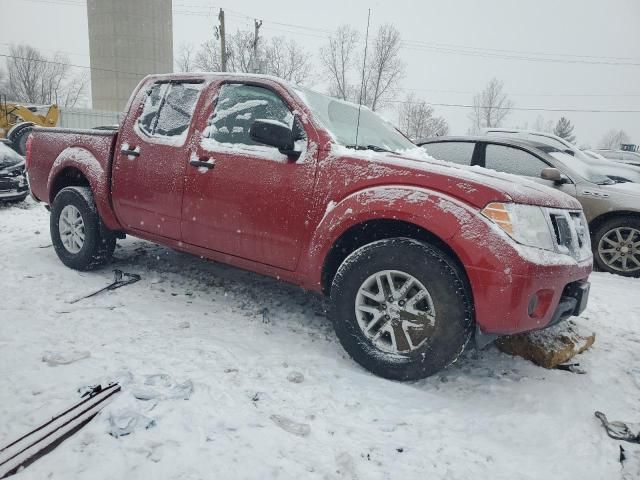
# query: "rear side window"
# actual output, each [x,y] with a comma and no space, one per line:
[238,107]
[513,160]
[456,152]
[168,109]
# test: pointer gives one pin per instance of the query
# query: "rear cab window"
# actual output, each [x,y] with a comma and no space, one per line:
[167,112]
[456,152]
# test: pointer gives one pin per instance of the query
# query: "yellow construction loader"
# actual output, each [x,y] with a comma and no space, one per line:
[17,120]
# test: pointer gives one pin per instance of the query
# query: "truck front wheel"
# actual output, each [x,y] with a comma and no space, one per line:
[77,233]
[401,309]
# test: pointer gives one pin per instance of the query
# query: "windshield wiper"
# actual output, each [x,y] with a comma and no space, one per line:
[375,148]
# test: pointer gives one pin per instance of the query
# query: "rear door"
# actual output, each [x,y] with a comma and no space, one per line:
[251,201]
[150,158]
[461,153]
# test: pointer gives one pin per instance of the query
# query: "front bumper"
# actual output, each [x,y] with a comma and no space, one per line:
[13,184]
[506,304]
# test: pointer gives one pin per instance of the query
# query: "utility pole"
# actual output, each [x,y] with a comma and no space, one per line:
[257,24]
[223,45]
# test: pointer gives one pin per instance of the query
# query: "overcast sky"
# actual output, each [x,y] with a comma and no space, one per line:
[481,33]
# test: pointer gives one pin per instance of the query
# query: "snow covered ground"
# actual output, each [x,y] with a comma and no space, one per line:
[271,394]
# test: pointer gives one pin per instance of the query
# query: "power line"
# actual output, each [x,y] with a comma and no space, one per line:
[468,92]
[535,109]
[424,48]
[53,62]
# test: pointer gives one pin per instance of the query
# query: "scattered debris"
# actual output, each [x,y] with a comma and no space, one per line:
[184,324]
[288,425]
[618,430]
[53,359]
[571,367]
[162,387]
[118,282]
[400,450]
[40,441]
[126,421]
[295,377]
[550,347]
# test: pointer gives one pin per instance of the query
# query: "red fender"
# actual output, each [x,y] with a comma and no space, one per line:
[85,161]
[437,213]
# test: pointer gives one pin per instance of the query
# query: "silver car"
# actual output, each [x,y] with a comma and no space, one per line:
[611,202]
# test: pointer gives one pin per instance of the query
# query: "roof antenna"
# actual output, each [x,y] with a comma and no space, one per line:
[364,63]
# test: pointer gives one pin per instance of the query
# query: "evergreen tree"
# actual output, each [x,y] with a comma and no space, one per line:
[564,129]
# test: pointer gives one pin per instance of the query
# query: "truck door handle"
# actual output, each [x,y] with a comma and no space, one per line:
[133,153]
[203,163]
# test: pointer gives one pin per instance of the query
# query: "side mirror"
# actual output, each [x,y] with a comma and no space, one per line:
[275,134]
[553,175]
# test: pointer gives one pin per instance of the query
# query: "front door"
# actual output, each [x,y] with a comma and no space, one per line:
[150,158]
[516,161]
[250,201]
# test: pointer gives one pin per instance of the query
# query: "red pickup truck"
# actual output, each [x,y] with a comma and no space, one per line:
[416,255]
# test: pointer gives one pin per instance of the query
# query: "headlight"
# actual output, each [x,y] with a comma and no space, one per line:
[526,224]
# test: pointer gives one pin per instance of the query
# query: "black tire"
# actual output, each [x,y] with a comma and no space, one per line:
[18,136]
[445,282]
[99,242]
[626,223]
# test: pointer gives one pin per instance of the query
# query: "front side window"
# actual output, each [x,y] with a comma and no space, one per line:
[238,106]
[456,152]
[168,109]
[513,160]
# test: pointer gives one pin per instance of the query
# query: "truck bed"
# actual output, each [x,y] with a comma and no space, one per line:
[51,148]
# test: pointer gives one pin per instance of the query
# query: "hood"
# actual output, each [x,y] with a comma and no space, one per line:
[473,185]
[8,157]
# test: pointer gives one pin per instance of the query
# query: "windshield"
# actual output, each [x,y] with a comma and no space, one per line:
[578,166]
[340,118]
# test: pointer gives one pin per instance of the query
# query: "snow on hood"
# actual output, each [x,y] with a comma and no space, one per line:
[472,178]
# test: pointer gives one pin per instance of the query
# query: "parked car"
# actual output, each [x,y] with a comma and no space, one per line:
[612,207]
[13,183]
[283,181]
[622,156]
[614,170]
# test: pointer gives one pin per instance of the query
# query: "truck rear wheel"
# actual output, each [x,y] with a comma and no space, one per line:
[77,233]
[401,309]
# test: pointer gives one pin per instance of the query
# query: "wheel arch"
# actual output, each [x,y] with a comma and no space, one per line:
[76,166]
[600,220]
[369,231]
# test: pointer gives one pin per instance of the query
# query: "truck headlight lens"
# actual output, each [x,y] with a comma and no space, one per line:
[526,224]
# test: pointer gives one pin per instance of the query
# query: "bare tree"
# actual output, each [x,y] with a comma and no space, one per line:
[384,68]
[613,139]
[490,106]
[417,119]
[207,58]
[240,52]
[285,59]
[33,78]
[337,59]
[185,61]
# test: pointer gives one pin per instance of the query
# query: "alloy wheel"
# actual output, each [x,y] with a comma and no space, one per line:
[619,249]
[395,311]
[71,228]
